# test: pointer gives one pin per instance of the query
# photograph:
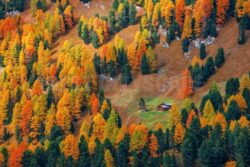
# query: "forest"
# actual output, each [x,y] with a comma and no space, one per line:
[54,111]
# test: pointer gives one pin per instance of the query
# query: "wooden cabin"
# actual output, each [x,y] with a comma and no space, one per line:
[164,107]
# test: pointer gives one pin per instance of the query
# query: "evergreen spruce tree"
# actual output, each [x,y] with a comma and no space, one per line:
[112,20]
[144,65]
[112,69]
[50,96]
[115,4]
[97,63]
[198,76]
[122,152]
[232,86]
[209,68]
[188,152]
[213,31]
[84,158]
[98,159]
[188,2]
[219,59]
[233,111]
[1,61]
[121,59]
[169,161]
[177,29]
[231,10]
[215,97]
[209,149]
[95,40]
[29,159]
[79,28]
[170,35]
[207,29]
[2,13]
[132,14]
[155,37]
[185,45]
[246,95]
[203,53]
[161,141]
[85,35]
[242,33]
[167,139]
[245,21]
[125,14]
[126,77]
[40,155]
[142,104]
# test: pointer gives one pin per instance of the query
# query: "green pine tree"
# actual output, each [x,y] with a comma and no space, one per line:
[126,77]
[219,59]
[144,65]
[203,53]
[95,40]
[132,14]
[85,34]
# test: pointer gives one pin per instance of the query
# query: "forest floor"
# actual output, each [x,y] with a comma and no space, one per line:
[163,86]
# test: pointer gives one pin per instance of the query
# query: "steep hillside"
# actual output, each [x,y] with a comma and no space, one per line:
[167,82]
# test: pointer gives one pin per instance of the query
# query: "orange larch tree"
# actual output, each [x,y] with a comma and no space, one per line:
[37,88]
[180,12]
[207,7]
[69,147]
[220,14]
[15,159]
[187,27]
[153,146]
[179,134]
[191,115]
[26,115]
[94,102]
[187,84]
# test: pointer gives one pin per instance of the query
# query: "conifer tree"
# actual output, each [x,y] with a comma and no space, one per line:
[219,59]
[185,45]
[132,14]
[144,65]
[187,85]
[209,68]
[233,111]
[95,40]
[112,20]
[126,77]
[203,53]
[242,34]
[85,34]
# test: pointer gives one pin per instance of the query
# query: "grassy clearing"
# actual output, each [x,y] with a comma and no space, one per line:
[152,117]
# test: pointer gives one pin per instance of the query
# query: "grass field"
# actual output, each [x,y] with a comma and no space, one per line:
[152,116]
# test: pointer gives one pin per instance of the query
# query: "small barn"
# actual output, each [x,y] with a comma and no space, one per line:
[164,107]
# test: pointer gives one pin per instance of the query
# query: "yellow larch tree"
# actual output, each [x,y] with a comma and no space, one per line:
[69,147]
[179,133]
[109,161]
[244,82]
[175,116]
[99,126]
[187,27]
[208,112]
